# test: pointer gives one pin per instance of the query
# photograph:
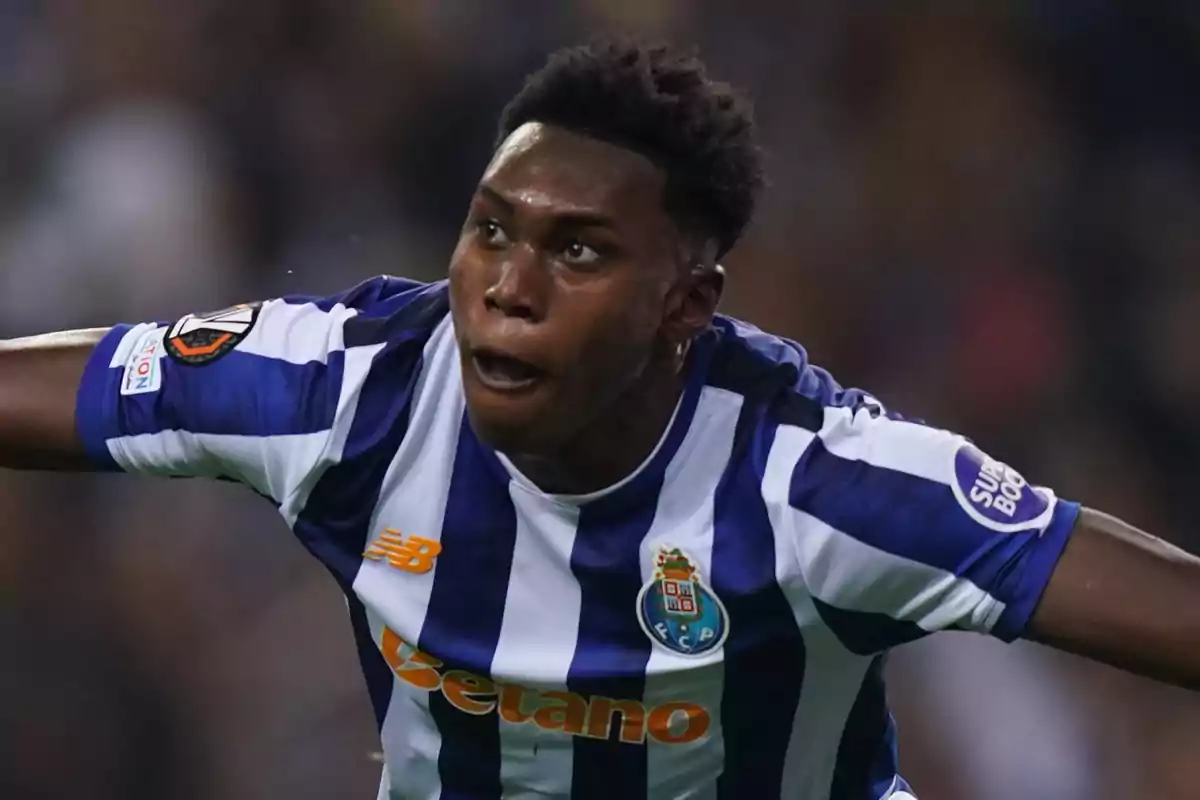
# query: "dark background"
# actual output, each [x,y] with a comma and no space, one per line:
[990,219]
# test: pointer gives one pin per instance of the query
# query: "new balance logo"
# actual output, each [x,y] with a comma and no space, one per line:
[412,554]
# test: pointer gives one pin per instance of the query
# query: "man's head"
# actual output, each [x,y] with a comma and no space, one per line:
[588,258]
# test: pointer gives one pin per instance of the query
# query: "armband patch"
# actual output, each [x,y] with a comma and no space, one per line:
[143,368]
[203,338]
[995,495]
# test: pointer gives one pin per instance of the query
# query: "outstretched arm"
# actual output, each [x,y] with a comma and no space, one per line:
[39,381]
[1126,598]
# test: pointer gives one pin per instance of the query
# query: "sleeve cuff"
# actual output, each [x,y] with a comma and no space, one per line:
[1028,579]
[96,401]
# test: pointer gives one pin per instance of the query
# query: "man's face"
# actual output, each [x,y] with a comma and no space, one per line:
[559,285]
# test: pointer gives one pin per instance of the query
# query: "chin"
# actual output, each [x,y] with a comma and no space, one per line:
[509,431]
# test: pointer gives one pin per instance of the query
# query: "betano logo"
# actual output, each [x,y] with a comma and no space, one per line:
[675,722]
[413,554]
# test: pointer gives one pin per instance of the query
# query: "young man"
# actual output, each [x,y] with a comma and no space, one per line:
[596,539]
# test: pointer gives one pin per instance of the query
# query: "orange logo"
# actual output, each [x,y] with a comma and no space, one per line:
[675,722]
[414,554]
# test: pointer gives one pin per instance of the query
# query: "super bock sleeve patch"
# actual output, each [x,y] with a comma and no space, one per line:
[997,496]
[199,339]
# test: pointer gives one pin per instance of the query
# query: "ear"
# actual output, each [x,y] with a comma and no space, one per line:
[692,302]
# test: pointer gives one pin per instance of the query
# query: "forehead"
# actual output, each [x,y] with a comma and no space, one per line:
[541,168]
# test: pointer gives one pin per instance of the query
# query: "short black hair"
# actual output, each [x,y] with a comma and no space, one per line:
[659,102]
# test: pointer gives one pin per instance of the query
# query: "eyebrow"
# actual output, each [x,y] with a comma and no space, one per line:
[577,219]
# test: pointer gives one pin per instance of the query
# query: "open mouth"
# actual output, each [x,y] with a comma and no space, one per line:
[503,373]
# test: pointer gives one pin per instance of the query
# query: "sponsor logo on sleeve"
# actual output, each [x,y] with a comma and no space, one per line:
[995,495]
[143,369]
[203,338]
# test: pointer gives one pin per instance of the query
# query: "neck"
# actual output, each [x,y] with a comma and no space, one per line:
[615,444]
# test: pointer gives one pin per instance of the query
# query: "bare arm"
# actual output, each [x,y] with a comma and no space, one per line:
[39,378]
[1125,598]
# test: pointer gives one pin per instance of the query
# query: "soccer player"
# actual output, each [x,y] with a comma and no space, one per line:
[598,540]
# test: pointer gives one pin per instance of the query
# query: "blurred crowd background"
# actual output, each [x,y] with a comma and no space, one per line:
[989,218]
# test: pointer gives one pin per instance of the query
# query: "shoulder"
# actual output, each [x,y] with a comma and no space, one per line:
[372,295]
[774,374]
[299,329]
[380,309]
[810,430]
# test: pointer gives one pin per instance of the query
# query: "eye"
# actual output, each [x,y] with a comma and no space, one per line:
[492,233]
[579,254]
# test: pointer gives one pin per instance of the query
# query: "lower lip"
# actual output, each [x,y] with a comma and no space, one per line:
[503,385]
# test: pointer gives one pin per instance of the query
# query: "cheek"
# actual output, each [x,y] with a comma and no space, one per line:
[465,275]
[458,263]
[615,348]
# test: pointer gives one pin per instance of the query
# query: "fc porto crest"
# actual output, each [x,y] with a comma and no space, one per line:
[677,610]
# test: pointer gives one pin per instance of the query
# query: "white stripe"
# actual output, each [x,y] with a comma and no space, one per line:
[855,576]
[298,333]
[410,738]
[844,572]
[684,519]
[273,465]
[914,449]
[355,369]
[832,674]
[537,642]
[832,679]
[414,494]
[891,444]
[129,340]
[283,468]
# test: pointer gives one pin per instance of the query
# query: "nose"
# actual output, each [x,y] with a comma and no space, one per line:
[518,290]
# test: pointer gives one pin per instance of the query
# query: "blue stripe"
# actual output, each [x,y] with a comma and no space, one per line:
[738,367]
[1024,585]
[922,520]
[96,399]
[757,361]
[366,296]
[764,652]
[466,610]
[421,308]
[244,393]
[241,394]
[866,633]
[375,670]
[903,514]
[335,523]
[611,651]
[867,758]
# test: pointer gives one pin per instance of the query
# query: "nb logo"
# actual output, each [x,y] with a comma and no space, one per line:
[412,554]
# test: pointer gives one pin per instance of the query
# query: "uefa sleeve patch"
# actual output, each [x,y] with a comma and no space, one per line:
[199,339]
[143,369]
[995,495]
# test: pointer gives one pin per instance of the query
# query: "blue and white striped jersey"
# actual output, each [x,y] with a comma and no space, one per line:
[713,626]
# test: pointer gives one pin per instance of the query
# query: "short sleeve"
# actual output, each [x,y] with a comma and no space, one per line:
[899,529]
[249,393]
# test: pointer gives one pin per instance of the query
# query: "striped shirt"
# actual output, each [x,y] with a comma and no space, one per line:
[713,626]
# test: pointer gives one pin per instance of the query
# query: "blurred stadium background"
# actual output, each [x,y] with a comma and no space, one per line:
[990,218]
